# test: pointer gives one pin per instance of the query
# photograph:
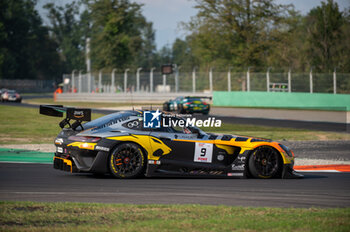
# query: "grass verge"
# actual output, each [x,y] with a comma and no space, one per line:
[20,125]
[277,133]
[33,216]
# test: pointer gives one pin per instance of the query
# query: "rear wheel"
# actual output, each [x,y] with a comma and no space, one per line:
[180,109]
[265,162]
[127,161]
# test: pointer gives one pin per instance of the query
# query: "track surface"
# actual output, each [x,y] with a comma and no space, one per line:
[40,182]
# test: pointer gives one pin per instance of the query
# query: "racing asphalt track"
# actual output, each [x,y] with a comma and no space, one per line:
[40,182]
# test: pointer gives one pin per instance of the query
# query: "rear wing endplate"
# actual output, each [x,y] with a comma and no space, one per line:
[77,114]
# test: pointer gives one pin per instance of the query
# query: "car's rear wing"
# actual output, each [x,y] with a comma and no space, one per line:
[199,97]
[77,114]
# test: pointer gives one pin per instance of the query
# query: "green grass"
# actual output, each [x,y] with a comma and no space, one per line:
[277,133]
[30,216]
[50,101]
[20,125]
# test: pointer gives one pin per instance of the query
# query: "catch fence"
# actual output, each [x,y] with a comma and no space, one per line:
[199,82]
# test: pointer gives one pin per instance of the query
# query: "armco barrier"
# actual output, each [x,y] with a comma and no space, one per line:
[321,101]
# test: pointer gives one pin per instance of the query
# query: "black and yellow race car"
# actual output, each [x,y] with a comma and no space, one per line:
[131,144]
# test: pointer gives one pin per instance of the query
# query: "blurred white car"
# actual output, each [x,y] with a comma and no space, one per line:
[10,95]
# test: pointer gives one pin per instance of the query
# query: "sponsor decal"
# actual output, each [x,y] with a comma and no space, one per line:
[100,148]
[234,174]
[155,162]
[237,167]
[59,149]
[241,158]
[78,113]
[203,152]
[59,141]
[151,119]
[110,123]
[132,124]
[220,157]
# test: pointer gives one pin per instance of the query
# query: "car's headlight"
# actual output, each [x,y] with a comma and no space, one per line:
[287,150]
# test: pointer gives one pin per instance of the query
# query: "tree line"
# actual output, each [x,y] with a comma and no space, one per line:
[224,33]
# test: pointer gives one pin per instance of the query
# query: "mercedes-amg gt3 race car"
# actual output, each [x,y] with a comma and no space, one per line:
[121,144]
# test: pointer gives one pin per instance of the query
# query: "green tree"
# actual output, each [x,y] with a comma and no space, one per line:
[147,53]
[324,35]
[26,51]
[119,31]
[182,54]
[235,32]
[69,29]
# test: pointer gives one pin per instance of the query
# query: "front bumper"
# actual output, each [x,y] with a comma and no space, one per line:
[64,164]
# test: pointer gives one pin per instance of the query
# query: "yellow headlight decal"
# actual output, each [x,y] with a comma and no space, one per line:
[83,145]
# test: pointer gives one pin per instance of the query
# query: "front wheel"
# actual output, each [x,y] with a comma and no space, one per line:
[127,161]
[265,162]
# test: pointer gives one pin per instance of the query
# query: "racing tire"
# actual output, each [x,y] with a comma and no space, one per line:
[166,107]
[265,162]
[127,161]
[180,109]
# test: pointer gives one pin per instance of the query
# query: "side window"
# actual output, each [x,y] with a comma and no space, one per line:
[179,126]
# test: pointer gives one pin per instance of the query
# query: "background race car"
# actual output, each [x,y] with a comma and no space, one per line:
[123,145]
[10,95]
[189,105]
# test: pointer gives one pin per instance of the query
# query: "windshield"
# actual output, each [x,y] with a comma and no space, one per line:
[109,120]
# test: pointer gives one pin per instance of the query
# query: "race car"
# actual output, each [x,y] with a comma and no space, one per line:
[124,145]
[189,105]
[10,95]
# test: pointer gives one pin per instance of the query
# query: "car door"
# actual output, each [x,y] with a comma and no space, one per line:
[185,146]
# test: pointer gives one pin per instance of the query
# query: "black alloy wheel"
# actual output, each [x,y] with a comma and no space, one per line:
[265,162]
[127,161]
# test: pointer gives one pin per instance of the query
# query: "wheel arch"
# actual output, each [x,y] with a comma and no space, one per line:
[281,161]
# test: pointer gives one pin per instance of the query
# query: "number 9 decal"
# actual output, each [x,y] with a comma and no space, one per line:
[203,152]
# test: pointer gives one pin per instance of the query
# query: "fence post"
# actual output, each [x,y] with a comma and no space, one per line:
[229,79]
[100,81]
[73,84]
[177,78]
[113,81]
[248,80]
[268,79]
[194,80]
[335,81]
[79,82]
[125,79]
[89,82]
[151,80]
[289,80]
[311,82]
[211,80]
[138,79]
[164,82]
